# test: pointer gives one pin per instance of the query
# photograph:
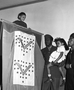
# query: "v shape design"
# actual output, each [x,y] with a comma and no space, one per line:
[24,47]
[23,71]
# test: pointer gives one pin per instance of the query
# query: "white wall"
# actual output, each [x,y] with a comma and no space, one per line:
[55,17]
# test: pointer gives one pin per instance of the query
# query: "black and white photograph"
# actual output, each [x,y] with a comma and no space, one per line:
[36,44]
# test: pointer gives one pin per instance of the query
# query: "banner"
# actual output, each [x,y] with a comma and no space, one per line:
[22,61]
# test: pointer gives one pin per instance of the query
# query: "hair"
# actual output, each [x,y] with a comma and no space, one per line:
[72,35]
[62,41]
[47,36]
[20,14]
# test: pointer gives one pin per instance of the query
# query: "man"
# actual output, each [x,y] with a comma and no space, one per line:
[69,65]
[54,82]
[46,53]
[55,73]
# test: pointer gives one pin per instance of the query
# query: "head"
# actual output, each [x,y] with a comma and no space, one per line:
[58,42]
[48,40]
[21,16]
[61,42]
[71,41]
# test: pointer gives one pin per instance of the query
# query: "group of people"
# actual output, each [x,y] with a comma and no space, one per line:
[55,58]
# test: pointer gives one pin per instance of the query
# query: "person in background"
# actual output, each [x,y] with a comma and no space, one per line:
[46,54]
[58,56]
[69,65]
[21,18]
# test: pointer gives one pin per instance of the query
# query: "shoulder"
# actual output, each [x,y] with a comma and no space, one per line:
[20,23]
[54,48]
[15,21]
[44,49]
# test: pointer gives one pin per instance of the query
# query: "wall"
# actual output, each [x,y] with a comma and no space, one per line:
[55,17]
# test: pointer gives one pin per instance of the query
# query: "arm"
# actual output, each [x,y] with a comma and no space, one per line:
[59,57]
[69,61]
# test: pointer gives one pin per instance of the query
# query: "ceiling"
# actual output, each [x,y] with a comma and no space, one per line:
[5,4]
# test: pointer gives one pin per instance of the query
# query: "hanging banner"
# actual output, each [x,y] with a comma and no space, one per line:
[23,61]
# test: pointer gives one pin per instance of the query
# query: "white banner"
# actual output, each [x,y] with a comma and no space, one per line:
[23,61]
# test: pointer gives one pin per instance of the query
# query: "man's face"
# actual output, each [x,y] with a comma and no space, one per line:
[48,42]
[71,42]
